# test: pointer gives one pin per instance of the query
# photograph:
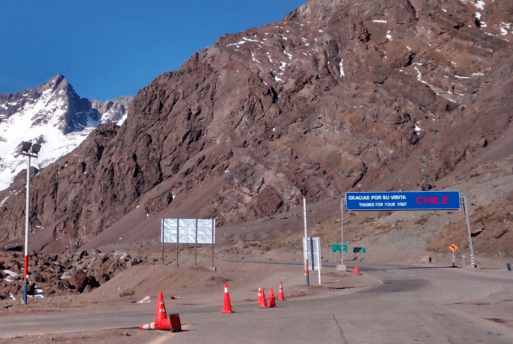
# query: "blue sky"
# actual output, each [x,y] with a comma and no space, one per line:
[108,49]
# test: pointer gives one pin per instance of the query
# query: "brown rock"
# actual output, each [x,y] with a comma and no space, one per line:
[499,232]
[79,280]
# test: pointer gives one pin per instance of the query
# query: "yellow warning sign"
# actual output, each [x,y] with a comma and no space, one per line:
[453,247]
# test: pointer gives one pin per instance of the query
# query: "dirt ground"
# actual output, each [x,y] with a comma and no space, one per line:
[192,286]
[128,336]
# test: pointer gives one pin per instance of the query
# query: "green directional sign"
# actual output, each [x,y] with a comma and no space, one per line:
[359,250]
[336,247]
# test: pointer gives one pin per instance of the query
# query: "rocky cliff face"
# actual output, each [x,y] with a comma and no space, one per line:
[112,110]
[52,115]
[340,95]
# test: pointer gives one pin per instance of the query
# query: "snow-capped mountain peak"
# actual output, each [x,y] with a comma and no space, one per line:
[52,115]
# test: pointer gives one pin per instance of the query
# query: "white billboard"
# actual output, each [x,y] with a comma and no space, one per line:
[190,231]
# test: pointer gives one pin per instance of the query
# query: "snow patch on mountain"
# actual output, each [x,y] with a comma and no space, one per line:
[54,116]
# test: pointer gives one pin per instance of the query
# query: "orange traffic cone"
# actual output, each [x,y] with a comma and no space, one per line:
[150,326]
[163,325]
[263,302]
[227,304]
[259,297]
[272,300]
[281,297]
[356,271]
[160,313]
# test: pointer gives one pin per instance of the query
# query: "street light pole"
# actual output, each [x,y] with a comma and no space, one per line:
[25,271]
[30,153]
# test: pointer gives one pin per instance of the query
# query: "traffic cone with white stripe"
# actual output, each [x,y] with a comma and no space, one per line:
[272,300]
[263,302]
[160,313]
[281,297]
[227,304]
[259,295]
[150,326]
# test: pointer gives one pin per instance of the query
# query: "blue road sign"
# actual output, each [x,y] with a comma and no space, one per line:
[403,200]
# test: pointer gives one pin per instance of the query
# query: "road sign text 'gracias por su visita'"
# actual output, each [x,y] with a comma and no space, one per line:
[407,200]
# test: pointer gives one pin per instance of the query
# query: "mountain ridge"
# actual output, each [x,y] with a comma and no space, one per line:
[51,113]
[360,95]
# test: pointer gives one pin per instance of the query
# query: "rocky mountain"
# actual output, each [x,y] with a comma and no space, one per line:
[340,95]
[52,115]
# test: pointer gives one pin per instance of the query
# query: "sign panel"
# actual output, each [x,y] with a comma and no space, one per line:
[312,251]
[187,231]
[359,249]
[453,248]
[403,200]
[336,247]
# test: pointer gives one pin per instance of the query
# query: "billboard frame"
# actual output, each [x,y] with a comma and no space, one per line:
[462,203]
[212,236]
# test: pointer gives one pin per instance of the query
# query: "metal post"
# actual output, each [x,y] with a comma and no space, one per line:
[177,240]
[453,262]
[196,240]
[306,238]
[25,272]
[213,239]
[320,263]
[463,260]
[342,203]
[312,253]
[162,239]
[469,236]
[304,216]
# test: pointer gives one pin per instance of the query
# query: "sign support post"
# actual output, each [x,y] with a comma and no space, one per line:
[469,235]
[196,257]
[177,240]
[342,203]
[306,238]
[213,234]
[162,239]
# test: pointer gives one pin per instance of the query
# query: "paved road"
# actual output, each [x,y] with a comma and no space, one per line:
[413,305]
